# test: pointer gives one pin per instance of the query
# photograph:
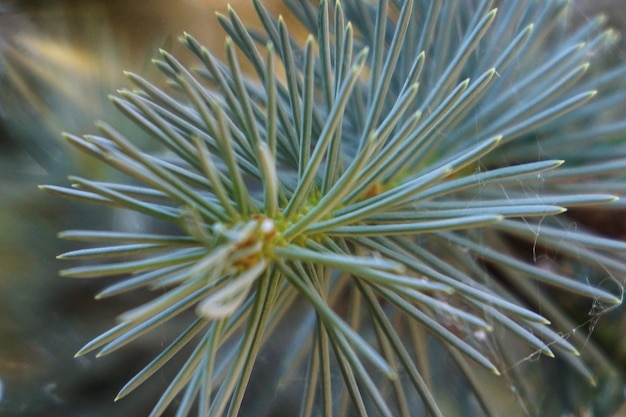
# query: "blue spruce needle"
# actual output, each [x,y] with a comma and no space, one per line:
[396,173]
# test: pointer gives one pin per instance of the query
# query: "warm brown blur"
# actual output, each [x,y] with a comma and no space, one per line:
[59,60]
[130,29]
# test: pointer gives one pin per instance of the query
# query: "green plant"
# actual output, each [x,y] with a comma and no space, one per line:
[406,177]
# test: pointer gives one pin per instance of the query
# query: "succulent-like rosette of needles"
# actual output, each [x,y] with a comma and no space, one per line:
[396,172]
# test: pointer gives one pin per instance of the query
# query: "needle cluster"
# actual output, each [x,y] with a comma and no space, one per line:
[389,172]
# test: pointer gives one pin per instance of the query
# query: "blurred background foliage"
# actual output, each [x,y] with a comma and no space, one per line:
[58,62]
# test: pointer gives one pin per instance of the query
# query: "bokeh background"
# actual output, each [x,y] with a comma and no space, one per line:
[58,62]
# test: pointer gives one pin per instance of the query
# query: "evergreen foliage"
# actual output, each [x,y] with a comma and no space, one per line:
[403,173]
